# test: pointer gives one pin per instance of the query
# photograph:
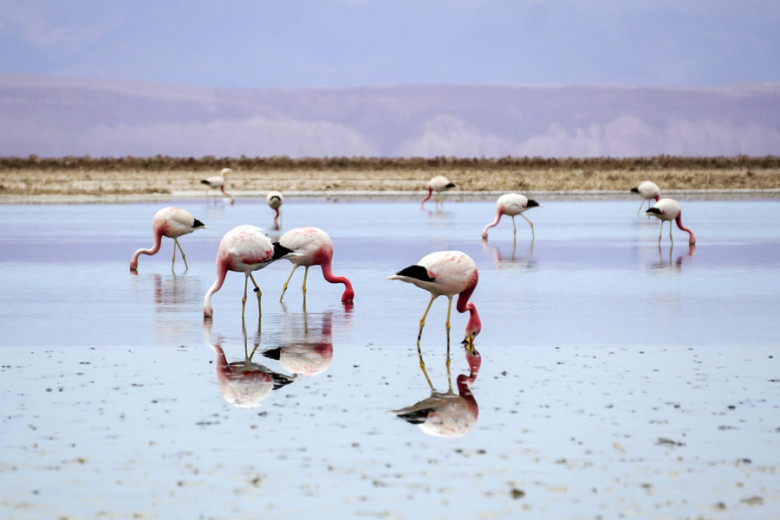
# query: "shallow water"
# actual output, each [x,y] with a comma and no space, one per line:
[618,376]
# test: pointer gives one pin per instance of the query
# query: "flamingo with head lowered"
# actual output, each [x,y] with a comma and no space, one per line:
[313,247]
[667,210]
[512,204]
[438,184]
[647,190]
[446,273]
[172,223]
[275,201]
[217,182]
[243,249]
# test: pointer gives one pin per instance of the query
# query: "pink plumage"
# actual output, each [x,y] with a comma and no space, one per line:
[172,223]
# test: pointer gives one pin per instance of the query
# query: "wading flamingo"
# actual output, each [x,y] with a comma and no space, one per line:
[668,210]
[438,184]
[217,182]
[275,201]
[512,204]
[447,414]
[647,190]
[313,247]
[172,223]
[243,249]
[446,273]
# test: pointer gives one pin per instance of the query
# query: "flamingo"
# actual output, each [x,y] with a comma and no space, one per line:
[512,204]
[668,210]
[447,414]
[172,223]
[647,190]
[243,249]
[446,273]
[218,182]
[306,355]
[437,184]
[275,201]
[313,247]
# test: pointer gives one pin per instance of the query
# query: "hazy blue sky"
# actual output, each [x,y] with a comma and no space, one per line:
[300,43]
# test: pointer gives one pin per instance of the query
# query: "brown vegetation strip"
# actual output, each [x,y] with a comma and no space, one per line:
[70,176]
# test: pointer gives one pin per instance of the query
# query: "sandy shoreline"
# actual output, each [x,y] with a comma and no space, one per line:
[86,180]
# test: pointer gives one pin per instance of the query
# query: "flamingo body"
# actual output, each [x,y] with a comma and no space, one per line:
[172,223]
[511,204]
[647,190]
[313,247]
[668,210]
[243,249]
[217,182]
[446,273]
[438,184]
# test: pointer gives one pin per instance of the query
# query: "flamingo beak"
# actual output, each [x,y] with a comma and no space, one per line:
[468,343]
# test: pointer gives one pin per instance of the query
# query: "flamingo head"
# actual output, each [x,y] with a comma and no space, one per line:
[134,265]
[348,296]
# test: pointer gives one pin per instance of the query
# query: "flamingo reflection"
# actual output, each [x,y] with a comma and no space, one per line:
[309,354]
[244,384]
[664,263]
[447,414]
[513,260]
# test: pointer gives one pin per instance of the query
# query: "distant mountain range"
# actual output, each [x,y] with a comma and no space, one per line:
[53,117]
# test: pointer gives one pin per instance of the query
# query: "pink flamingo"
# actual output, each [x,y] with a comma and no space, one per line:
[217,182]
[438,184]
[647,190]
[512,204]
[447,414]
[172,223]
[446,273]
[275,201]
[313,247]
[243,249]
[668,210]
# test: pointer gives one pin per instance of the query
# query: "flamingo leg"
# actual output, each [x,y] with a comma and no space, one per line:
[183,256]
[305,275]
[670,231]
[449,308]
[449,373]
[173,260]
[259,295]
[243,300]
[284,287]
[640,206]
[533,235]
[422,320]
[660,233]
[514,226]
[422,366]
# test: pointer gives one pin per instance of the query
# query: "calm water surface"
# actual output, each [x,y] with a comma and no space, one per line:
[618,376]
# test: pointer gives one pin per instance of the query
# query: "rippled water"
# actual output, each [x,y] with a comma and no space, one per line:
[618,376]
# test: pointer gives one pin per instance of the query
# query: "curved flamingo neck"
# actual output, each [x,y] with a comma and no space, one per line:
[152,251]
[657,197]
[474,324]
[430,192]
[327,273]
[232,199]
[208,310]
[499,214]
[692,239]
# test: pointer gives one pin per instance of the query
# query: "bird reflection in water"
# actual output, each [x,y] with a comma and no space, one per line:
[667,263]
[172,297]
[512,260]
[447,414]
[244,384]
[308,354]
